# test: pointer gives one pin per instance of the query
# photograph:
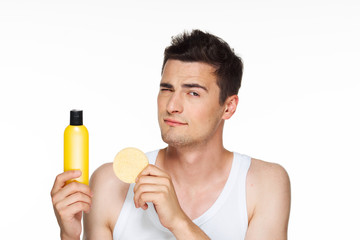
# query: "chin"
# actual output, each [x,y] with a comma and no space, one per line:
[176,141]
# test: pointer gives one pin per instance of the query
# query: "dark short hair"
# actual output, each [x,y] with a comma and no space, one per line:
[199,46]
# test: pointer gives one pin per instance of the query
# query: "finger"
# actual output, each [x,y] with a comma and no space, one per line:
[147,188]
[70,211]
[70,189]
[74,198]
[61,179]
[152,170]
[149,197]
[153,180]
[142,204]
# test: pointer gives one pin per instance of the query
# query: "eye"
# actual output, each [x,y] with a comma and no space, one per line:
[195,94]
[165,89]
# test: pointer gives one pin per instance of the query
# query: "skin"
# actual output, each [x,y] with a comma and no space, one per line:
[69,202]
[182,184]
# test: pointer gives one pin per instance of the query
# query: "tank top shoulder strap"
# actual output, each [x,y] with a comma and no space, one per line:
[152,156]
[243,162]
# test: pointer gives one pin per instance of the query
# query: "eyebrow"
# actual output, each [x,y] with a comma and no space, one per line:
[194,85]
[166,85]
[186,85]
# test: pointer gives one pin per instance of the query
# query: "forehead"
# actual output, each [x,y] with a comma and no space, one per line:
[176,70]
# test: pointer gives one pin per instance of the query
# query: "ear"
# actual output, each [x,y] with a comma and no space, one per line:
[230,106]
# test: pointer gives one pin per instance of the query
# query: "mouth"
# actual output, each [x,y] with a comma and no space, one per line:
[173,122]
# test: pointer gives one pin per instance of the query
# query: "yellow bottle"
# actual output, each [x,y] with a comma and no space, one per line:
[76,147]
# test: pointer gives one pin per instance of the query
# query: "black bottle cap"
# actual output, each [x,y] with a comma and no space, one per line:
[76,117]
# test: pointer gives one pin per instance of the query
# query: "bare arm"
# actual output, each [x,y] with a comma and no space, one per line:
[268,187]
[108,196]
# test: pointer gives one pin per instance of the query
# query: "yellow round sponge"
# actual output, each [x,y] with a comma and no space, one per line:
[128,163]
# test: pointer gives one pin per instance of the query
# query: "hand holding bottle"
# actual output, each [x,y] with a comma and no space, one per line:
[71,194]
[69,201]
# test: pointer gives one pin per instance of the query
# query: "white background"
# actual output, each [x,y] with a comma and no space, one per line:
[299,101]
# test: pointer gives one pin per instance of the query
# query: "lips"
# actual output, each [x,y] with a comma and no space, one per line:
[173,122]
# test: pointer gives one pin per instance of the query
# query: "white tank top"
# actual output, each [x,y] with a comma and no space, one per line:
[225,219]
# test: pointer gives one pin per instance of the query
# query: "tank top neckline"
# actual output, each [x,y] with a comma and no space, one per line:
[214,208]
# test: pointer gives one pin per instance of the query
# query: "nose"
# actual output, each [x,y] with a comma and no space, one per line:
[174,104]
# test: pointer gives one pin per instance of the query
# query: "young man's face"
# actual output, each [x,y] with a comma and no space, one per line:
[189,112]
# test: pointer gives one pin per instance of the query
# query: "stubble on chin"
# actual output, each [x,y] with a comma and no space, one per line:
[175,141]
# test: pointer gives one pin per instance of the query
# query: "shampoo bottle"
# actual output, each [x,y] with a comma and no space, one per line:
[76,147]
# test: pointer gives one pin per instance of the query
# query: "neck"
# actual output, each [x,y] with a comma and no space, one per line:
[195,165]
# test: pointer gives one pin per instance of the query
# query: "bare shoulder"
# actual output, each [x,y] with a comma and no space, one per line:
[105,177]
[268,197]
[109,194]
[103,183]
[267,173]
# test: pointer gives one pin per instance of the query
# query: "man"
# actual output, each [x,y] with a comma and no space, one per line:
[194,188]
